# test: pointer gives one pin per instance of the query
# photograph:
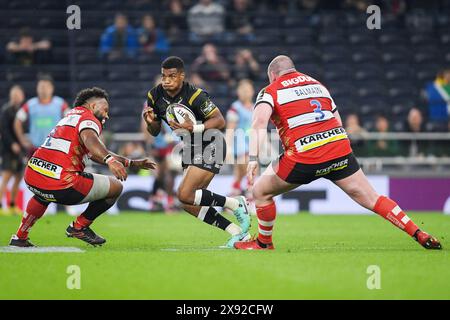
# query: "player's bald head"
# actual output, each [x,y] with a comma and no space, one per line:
[280,65]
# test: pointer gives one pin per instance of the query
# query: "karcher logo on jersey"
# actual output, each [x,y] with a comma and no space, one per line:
[319,139]
[45,168]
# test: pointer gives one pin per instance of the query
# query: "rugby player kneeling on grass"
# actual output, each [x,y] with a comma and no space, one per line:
[55,172]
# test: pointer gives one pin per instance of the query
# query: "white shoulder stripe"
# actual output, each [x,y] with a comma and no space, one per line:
[89,124]
[308,118]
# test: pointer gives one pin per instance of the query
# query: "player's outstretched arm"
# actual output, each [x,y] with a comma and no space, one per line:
[98,151]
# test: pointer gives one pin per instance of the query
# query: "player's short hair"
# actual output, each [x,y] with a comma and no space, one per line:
[88,93]
[45,77]
[173,62]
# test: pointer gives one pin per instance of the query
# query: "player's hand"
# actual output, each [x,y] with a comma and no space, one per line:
[15,147]
[187,124]
[149,115]
[252,170]
[118,170]
[145,164]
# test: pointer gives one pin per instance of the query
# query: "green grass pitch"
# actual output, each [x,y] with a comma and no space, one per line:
[155,256]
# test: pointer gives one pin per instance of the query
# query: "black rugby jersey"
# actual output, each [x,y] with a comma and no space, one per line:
[196,99]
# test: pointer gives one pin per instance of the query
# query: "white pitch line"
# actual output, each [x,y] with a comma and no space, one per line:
[41,250]
[194,249]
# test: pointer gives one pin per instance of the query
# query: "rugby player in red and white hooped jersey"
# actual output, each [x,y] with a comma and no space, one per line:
[315,146]
[55,171]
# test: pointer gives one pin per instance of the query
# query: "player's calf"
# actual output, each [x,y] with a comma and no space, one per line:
[80,227]
[390,210]
[35,210]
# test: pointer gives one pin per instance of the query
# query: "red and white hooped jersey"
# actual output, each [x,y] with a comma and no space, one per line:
[303,112]
[55,163]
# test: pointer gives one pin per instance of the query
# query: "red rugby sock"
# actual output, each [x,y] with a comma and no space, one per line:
[389,209]
[266,220]
[82,222]
[237,185]
[35,210]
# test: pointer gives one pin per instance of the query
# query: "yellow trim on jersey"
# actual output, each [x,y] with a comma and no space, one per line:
[194,96]
[151,97]
[323,142]
[43,171]
[211,112]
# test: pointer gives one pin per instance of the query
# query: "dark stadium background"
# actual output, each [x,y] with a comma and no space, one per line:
[369,72]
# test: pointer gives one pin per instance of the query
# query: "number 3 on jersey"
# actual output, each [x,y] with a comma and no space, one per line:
[318,109]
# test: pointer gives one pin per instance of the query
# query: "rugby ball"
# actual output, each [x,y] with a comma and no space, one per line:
[177,112]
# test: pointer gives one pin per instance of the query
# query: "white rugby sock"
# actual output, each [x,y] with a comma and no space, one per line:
[233,229]
[231,203]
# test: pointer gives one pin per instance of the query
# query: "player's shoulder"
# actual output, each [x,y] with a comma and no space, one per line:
[87,120]
[83,113]
[155,93]
[266,95]
[194,94]
[32,101]
[58,100]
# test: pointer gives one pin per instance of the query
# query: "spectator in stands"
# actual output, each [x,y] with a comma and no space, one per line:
[10,150]
[206,21]
[415,124]
[356,132]
[119,40]
[245,66]
[209,66]
[176,20]
[151,38]
[358,5]
[438,97]
[25,50]
[383,147]
[42,113]
[310,6]
[240,20]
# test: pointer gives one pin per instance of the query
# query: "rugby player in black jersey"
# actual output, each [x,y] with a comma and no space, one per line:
[203,152]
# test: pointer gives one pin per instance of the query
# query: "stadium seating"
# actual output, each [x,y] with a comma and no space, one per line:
[368,72]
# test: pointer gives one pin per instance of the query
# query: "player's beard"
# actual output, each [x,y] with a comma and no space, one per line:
[100,118]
